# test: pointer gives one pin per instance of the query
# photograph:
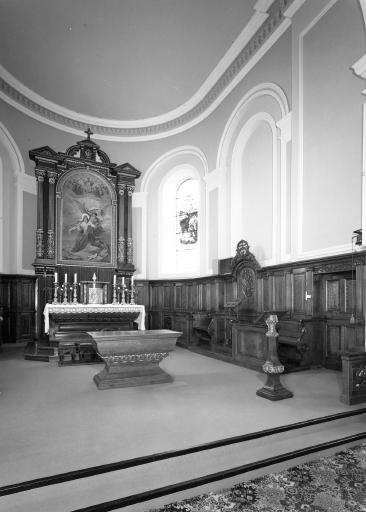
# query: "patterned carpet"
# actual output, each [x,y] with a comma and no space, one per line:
[335,484]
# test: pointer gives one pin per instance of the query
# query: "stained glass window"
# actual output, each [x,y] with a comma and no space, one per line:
[187,225]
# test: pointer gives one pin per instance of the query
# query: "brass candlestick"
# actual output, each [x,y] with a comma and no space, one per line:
[56,288]
[133,291]
[65,288]
[114,301]
[75,293]
[123,299]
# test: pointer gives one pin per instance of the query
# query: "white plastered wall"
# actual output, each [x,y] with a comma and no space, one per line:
[13,183]
[244,120]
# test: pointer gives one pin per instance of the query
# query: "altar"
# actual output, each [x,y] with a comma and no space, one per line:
[70,322]
[67,326]
[84,246]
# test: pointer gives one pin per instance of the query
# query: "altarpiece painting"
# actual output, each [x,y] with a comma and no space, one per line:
[86,219]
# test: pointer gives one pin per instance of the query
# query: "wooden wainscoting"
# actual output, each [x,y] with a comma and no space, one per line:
[320,297]
[17,301]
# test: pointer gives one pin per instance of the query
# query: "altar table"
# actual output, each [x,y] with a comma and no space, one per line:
[70,322]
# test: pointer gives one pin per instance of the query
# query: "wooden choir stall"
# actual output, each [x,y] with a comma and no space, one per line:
[84,251]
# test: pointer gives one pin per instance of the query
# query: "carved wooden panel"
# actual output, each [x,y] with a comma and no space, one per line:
[333,296]
[333,339]
[279,291]
[265,293]
[25,331]
[156,320]
[142,296]
[249,346]
[299,289]
[25,296]
[350,296]
[189,296]
[18,306]
[208,297]
[155,296]
[203,296]
[166,296]
[178,293]
[181,324]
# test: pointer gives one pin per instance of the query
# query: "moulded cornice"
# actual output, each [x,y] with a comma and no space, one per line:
[263,5]
[261,32]
[360,67]
[294,7]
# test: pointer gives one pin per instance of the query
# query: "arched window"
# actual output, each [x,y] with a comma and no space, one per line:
[186,223]
[180,223]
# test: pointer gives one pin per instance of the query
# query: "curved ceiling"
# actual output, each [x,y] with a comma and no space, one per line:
[118,59]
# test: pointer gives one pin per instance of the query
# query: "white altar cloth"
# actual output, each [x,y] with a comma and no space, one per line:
[94,308]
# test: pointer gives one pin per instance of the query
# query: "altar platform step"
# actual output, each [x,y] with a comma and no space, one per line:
[151,481]
[40,352]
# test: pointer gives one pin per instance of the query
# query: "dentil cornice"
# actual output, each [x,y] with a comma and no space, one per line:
[257,34]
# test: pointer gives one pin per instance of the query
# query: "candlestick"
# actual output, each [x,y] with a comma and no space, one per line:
[123,286]
[132,300]
[56,277]
[55,285]
[114,301]
[65,290]
[75,288]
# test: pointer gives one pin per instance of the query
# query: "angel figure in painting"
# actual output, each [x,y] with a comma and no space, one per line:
[89,228]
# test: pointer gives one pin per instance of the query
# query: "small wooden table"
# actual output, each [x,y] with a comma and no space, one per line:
[132,357]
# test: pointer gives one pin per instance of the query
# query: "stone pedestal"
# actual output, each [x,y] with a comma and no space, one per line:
[132,357]
[273,389]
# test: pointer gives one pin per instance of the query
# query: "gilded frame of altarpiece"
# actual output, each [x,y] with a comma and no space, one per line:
[86,221]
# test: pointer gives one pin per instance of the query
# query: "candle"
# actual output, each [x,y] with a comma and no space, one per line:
[65,278]
[114,279]
[132,281]
[55,277]
[123,280]
[75,278]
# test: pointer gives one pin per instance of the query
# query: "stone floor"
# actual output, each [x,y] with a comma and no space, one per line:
[55,420]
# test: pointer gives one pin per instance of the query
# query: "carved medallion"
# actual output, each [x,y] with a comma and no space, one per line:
[247,283]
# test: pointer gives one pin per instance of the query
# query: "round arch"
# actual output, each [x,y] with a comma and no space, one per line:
[237,185]
[264,89]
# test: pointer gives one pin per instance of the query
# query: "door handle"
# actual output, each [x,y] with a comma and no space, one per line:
[307,296]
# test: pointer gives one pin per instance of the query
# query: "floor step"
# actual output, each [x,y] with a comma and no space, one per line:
[40,352]
[175,476]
